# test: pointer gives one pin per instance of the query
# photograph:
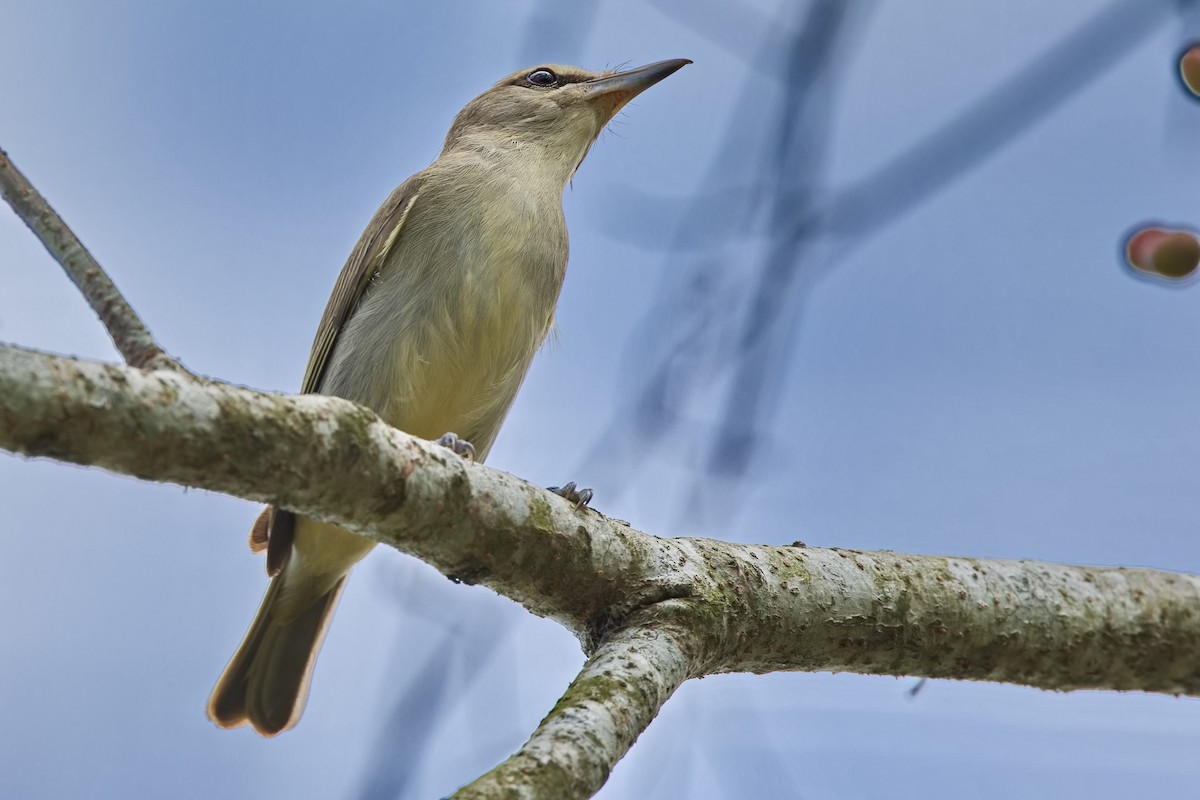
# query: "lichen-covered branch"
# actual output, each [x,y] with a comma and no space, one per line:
[752,608]
[615,696]
[129,333]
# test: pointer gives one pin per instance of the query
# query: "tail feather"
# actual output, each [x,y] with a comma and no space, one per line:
[266,681]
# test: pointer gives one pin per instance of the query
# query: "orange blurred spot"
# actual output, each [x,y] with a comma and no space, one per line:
[1189,69]
[1139,250]
[1170,253]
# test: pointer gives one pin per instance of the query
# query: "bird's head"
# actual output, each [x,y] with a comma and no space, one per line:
[551,112]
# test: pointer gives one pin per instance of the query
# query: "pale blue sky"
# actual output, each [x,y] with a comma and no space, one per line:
[978,377]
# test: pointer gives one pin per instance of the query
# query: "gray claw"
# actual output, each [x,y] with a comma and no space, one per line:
[573,494]
[460,447]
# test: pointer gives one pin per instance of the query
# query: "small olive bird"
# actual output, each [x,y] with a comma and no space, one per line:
[433,323]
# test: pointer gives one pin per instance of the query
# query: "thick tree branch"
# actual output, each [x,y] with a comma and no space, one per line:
[615,696]
[754,608]
[129,333]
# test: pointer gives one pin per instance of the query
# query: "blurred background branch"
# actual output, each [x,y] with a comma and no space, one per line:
[728,317]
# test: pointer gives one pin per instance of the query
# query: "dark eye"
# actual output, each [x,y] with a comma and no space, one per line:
[542,77]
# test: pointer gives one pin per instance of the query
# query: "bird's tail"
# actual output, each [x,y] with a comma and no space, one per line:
[266,681]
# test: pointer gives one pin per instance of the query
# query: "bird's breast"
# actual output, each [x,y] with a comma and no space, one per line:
[444,337]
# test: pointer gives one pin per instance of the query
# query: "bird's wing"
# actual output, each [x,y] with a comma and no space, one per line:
[365,260]
[367,257]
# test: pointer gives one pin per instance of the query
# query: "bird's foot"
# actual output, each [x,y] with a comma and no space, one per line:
[573,494]
[457,446]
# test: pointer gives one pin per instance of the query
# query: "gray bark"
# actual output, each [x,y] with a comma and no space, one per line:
[650,611]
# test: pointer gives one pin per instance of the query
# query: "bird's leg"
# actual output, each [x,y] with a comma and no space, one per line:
[457,446]
[573,494]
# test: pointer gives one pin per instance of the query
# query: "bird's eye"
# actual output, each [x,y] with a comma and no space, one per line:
[541,77]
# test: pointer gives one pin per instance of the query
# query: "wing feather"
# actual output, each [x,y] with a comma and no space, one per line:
[365,260]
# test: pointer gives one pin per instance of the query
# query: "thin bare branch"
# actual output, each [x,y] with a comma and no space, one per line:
[129,333]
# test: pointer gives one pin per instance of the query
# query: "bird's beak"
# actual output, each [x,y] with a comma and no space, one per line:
[610,93]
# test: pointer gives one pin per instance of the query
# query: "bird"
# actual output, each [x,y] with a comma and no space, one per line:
[432,324]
